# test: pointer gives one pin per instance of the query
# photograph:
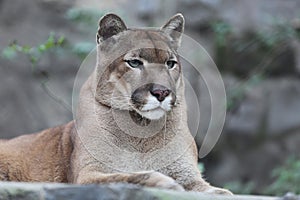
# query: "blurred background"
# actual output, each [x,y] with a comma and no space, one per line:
[255,45]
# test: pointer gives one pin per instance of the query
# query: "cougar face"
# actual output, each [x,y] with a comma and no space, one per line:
[144,74]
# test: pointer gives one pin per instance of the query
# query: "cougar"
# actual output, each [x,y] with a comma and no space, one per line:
[130,124]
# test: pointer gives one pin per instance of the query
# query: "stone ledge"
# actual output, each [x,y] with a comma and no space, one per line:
[53,191]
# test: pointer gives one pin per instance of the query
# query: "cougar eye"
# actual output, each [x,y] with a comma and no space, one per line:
[171,63]
[135,63]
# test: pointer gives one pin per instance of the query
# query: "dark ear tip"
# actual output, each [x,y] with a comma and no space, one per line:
[109,25]
[179,15]
[107,17]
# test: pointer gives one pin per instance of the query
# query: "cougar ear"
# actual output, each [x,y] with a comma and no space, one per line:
[174,28]
[109,25]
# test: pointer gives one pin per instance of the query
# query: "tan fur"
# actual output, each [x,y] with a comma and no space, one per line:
[69,153]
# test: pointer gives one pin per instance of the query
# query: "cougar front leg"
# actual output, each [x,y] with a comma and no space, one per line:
[200,185]
[191,180]
[147,178]
[188,175]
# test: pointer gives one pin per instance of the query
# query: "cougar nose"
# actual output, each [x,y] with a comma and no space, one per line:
[160,92]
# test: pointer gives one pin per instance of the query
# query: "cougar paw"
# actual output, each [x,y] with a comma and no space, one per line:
[160,180]
[216,190]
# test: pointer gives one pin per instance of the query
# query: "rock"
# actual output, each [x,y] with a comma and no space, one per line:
[262,107]
[26,106]
[247,118]
[19,191]
[270,53]
[242,16]
[42,191]
[199,14]
[296,46]
[243,160]
[260,133]
[290,196]
[284,106]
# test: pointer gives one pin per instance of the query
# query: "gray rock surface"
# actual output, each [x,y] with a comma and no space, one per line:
[259,134]
[253,15]
[35,191]
[25,106]
[270,107]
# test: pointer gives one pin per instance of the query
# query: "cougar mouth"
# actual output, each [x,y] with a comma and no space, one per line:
[153,114]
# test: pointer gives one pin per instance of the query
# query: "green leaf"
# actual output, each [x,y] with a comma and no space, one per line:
[61,40]
[287,178]
[42,48]
[50,41]
[33,60]
[9,53]
[201,167]
[25,49]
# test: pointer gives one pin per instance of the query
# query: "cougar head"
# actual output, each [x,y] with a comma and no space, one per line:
[138,69]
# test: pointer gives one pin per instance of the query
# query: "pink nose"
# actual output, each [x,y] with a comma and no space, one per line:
[160,92]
